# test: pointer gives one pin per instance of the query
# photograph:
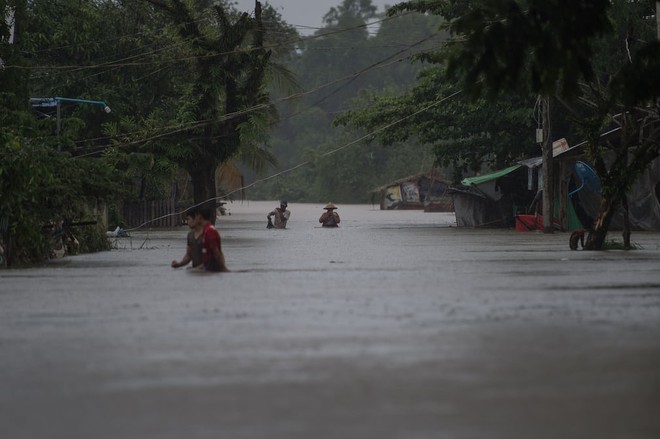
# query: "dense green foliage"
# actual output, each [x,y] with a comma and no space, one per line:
[541,45]
[182,86]
[623,100]
[599,58]
[216,92]
[465,134]
[39,187]
[338,67]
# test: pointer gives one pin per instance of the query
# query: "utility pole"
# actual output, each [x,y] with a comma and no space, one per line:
[57,102]
[657,16]
[547,167]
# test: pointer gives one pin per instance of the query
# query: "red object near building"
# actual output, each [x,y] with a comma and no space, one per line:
[528,223]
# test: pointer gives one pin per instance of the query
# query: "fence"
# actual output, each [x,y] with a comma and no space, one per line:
[157,213]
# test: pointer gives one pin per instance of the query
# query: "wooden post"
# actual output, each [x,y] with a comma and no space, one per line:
[564,173]
[657,16]
[548,184]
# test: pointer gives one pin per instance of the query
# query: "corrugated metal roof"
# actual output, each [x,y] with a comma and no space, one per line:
[488,177]
[534,162]
[432,175]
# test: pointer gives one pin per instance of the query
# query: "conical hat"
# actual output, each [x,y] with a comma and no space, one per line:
[330,206]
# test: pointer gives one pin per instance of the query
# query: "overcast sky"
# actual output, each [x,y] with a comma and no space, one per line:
[306,15]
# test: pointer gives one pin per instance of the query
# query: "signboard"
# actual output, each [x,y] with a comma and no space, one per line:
[410,192]
[392,197]
[559,146]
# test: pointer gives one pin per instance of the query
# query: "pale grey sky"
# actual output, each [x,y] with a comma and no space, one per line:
[306,15]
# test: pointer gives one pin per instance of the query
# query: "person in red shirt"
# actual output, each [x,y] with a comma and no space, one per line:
[194,240]
[212,257]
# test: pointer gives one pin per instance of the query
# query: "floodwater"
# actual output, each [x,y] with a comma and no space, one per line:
[395,325]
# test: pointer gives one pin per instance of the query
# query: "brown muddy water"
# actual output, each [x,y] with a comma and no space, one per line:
[395,325]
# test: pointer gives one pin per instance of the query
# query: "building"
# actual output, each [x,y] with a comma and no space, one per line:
[427,191]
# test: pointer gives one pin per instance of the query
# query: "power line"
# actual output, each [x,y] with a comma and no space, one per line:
[119,63]
[175,129]
[382,63]
[307,162]
[372,66]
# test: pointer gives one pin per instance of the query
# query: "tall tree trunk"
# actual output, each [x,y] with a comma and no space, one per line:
[202,176]
[606,211]
[19,14]
[626,223]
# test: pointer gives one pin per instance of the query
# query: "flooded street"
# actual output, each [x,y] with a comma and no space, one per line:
[395,325]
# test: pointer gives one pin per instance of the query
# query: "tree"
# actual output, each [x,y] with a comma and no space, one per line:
[337,67]
[542,47]
[334,53]
[223,91]
[621,100]
[535,45]
[349,13]
[172,102]
[465,134]
[39,186]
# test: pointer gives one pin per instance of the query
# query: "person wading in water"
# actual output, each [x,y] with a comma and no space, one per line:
[281,215]
[194,246]
[330,218]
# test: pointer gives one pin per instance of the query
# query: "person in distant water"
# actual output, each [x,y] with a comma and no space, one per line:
[330,218]
[281,215]
[194,246]
[212,257]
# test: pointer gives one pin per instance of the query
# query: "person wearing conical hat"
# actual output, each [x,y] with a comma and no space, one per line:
[330,218]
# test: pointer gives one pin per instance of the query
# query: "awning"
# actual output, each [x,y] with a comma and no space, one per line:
[532,163]
[488,177]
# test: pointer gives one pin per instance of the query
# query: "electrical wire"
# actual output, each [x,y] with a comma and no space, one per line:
[306,162]
[175,129]
[120,64]
[245,50]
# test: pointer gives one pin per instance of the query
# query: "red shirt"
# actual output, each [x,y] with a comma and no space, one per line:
[210,242]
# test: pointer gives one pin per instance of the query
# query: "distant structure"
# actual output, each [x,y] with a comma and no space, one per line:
[427,191]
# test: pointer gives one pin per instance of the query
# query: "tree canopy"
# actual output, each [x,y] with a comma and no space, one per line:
[355,54]
[186,89]
[596,56]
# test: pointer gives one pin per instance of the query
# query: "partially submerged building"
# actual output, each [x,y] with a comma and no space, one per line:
[428,192]
[510,197]
[494,199]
